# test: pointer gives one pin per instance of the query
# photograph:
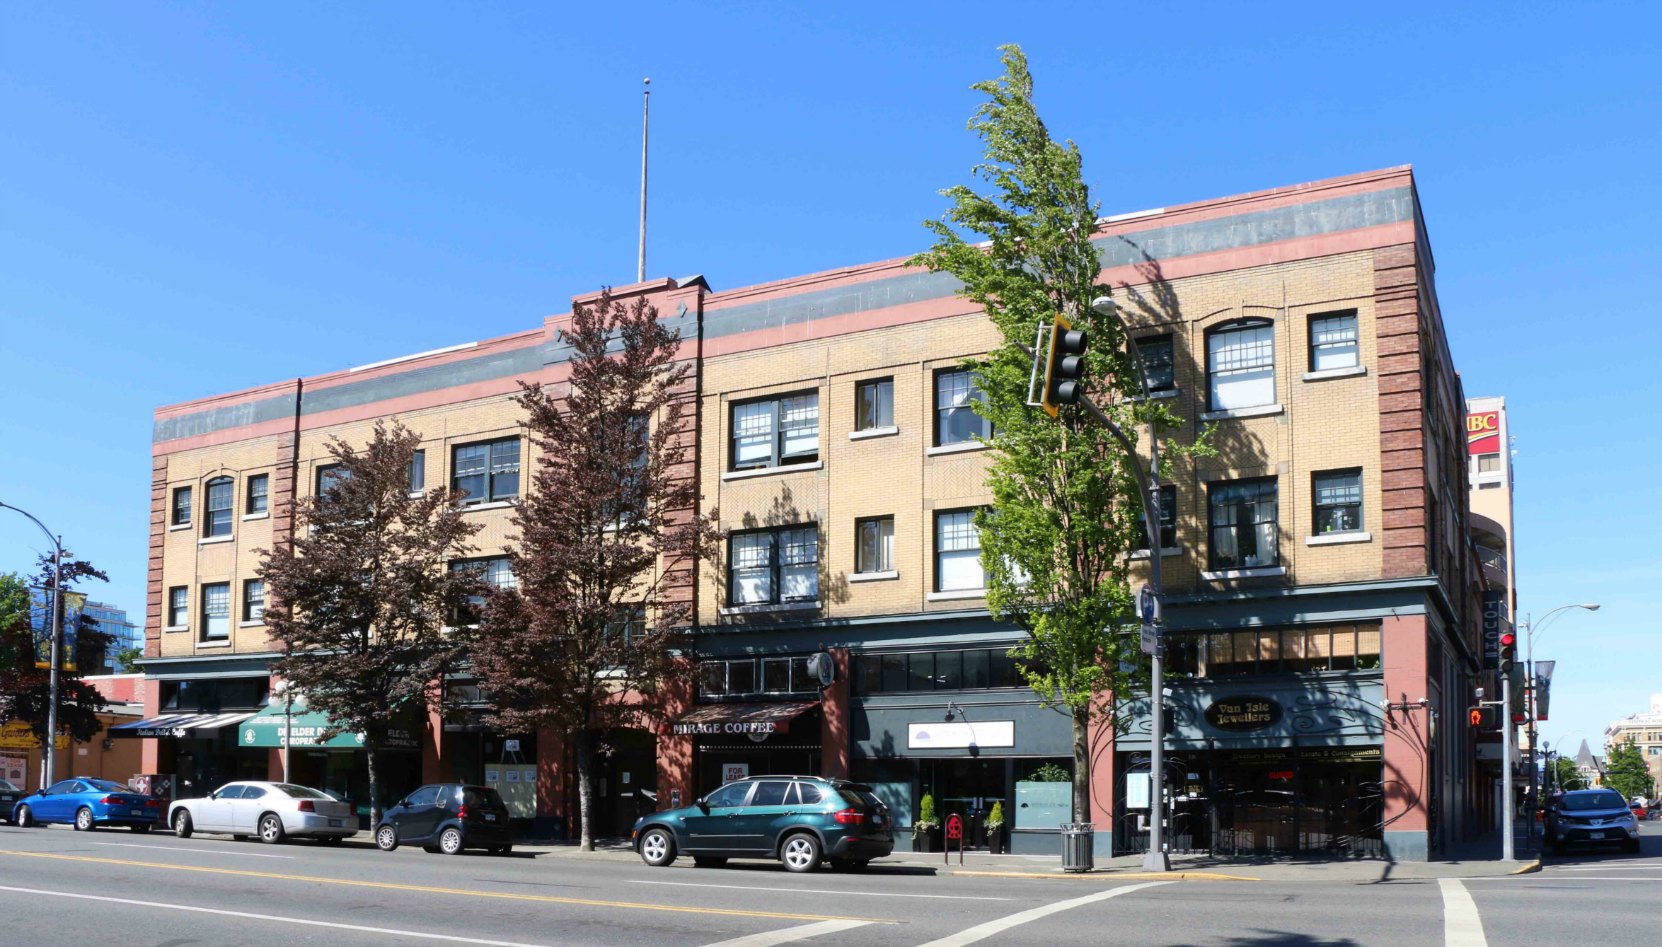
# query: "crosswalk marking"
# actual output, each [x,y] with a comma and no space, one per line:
[1462,927]
[789,934]
[1000,925]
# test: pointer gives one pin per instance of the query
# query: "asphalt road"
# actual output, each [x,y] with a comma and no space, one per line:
[58,886]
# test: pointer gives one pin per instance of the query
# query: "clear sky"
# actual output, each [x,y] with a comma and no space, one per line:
[196,198]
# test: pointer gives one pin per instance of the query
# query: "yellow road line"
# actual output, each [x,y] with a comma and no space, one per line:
[466,892]
[1114,875]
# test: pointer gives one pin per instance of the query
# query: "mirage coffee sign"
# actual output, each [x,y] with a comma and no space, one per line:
[1243,713]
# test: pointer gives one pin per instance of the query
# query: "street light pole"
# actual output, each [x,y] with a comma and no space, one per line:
[1530,628]
[49,758]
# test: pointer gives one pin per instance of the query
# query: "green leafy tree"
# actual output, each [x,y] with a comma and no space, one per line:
[360,598]
[25,690]
[1625,772]
[1565,775]
[1065,509]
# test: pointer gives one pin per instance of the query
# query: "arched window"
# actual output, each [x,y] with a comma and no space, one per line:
[1240,365]
[221,495]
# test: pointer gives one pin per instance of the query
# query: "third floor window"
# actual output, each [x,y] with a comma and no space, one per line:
[775,432]
[1158,365]
[1240,366]
[1333,341]
[221,492]
[956,422]
[874,404]
[181,507]
[487,472]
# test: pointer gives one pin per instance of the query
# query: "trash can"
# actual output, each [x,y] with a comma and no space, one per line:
[1078,842]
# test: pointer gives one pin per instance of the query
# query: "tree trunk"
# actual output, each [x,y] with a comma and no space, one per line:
[374,786]
[1082,766]
[585,789]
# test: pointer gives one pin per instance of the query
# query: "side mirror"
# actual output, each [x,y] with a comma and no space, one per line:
[702,803]
[404,804]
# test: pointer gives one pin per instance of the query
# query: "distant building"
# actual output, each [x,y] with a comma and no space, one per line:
[1489,478]
[1645,730]
[124,635]
[1589,766]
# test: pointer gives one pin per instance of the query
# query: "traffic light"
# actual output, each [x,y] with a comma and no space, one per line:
[1508,654]
[1064,368]
[1483,718]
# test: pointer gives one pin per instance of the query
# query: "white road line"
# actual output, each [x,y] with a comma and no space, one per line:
[1614,868]
[272,917]
[862,894]
[1462,927]
[790,934]
[999,926]
[204,851]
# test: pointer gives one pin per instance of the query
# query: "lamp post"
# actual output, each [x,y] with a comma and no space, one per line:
[1530,628]
[49,758]
[283,690]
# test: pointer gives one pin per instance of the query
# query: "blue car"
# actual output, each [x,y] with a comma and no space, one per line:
[88,803]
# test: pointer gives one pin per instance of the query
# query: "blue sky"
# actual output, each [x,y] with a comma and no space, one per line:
[196,198]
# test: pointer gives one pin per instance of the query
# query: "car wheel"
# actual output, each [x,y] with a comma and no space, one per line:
[386,838]
[450,841]
[271,829]
[658,847]
[141,828]
[708,861]
[500,849]
[181,824]
[84,821]
[800,852]
[25,818]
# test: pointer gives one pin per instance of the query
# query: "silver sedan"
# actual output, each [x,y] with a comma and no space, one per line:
[273,811]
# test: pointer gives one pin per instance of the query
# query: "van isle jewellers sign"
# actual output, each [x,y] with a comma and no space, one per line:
[1243,713]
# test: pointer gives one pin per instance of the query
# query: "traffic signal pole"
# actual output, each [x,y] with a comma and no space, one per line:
[1507,850]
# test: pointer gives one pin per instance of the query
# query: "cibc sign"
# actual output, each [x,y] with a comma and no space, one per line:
[1483,433]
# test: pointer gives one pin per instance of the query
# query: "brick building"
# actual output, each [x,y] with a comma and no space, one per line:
[1318,568]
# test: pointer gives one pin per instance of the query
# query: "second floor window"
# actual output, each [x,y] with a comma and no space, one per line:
[1244,530]
[328,475]
[776,431]
[1338,495]
[216,610]
[1333,341]
[181,507]
[956,422]
[178,606]
[874,404]
[253,600]
[1240,366]
[874,545]
[495,571]
[259,485]
[487,472]
[1168,520]
[221,494]
[773,567]
[1158,365]
[958,552]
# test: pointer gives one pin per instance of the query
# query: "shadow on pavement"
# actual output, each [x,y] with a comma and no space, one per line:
[1263,938]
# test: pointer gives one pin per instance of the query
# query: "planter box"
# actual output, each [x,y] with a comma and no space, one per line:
[927,841]
[995,840]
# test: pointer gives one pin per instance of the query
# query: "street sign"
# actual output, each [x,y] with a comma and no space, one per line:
[1151,641]
[1148,605]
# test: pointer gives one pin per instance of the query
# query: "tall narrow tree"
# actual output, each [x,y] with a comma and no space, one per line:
[360,601]
[593,633]
[1056,543]
[25,689]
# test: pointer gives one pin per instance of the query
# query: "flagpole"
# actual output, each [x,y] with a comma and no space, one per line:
[646,112]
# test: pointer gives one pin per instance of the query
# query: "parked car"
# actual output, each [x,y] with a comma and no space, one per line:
[10,793]
[448,818]
[1641,811]
[799,820]
[88,803]
[1591,817]
[273,811]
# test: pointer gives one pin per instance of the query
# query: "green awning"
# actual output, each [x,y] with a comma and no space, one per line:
[304,727]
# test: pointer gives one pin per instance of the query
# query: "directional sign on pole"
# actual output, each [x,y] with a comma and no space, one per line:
[1148,606]
[1150,641]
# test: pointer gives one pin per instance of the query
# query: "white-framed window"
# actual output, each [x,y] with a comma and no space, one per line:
[1338,501]
[874,544]
[1245,533]
[259,486]
[1240,366]
[486,471]
[216,610]
[958,552]
[956,422]
[253,600]
[775,432]
[221,496]
[773,566]
[1333,341]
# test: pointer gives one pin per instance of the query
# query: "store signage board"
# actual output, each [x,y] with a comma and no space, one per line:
[763,727]
[960,736]
[1243,713]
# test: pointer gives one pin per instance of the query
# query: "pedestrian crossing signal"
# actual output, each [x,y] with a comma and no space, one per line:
[1482,718]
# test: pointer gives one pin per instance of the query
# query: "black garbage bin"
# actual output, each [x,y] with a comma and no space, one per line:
[1078,846]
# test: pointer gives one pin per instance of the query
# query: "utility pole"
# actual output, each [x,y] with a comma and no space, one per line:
[49,757]
[646,115]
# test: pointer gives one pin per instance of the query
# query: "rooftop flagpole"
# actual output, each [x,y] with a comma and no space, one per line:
[646,114]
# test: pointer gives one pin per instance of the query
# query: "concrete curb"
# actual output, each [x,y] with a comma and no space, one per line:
[1528,869]
[1110,875]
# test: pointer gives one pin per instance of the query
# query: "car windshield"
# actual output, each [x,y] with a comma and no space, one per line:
[104,785]
[1594,800]
[482,796]
[6,784]
[300,792]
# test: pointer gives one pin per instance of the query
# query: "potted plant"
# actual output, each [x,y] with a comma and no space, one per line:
[995,828]
[924,838]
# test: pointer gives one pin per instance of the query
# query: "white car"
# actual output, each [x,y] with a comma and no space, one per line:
[273,811]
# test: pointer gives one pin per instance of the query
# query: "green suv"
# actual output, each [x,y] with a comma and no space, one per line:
[800,820]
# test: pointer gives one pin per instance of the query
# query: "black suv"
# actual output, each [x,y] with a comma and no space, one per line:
[447,817]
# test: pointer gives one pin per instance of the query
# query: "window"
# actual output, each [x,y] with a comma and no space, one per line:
[728,796]
[772,567]
[1488,463]
[178,606]
[181,506]
[328,475]
[221,494]
[425,796]
[216,610]
[956,422]
[1168,520]
[874,545]
[496,572]
[258,486]
[874,404]
[958,552]
[1158,366]
[417,471]
[770,792]
[627,627]
[1271,651]
[975,669]
[1244,530]
[486,472]
[253,600]
[1333,341]
[1338,495]
[776,431]
[1240,366]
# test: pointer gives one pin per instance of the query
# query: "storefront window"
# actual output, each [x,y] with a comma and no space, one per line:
[974,669]
[1278,651]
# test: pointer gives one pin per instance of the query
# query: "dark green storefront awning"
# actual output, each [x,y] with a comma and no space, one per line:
[304,727]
